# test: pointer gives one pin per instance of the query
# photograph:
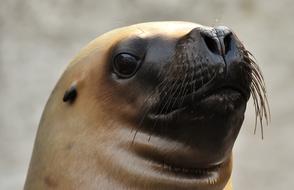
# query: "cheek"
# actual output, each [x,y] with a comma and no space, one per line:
[128,94]
[121,98]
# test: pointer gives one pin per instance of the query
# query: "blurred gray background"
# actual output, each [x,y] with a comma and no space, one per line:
[38,38]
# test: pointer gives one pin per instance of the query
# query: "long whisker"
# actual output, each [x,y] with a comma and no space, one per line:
[258,92]
[184,83]
[145,109]
[167,94]
[162,87]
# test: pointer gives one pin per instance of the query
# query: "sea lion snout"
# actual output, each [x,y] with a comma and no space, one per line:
[211,50]
[206,60]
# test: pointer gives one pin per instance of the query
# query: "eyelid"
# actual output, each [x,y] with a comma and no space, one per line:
[129,51]
[124,52]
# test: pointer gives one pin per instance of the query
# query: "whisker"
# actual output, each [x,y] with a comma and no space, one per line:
[258,92]
[184,84]
[146,109]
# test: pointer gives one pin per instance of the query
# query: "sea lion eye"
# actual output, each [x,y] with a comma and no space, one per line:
[125,65]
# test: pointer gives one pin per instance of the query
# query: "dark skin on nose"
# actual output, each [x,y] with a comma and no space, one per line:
[195,85]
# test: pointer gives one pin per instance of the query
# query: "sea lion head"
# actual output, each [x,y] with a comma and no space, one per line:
[150,106]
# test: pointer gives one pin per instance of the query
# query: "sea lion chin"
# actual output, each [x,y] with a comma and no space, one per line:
[150,106]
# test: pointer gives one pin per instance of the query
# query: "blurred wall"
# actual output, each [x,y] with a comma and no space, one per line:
[38,38]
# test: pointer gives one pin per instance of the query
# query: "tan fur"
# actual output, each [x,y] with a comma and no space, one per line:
[75,147]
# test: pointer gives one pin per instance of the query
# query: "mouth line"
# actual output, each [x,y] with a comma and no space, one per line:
[167,116]
[190,103]
[188,172]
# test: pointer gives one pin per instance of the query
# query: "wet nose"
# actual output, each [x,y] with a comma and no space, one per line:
[217,40]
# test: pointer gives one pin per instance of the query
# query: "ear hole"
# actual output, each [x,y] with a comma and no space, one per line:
[70,94]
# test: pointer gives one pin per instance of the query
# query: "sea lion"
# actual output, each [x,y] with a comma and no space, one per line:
[149,106]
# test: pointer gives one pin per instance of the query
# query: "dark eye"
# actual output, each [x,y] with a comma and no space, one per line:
[125,65]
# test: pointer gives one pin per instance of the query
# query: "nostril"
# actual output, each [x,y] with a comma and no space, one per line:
[227,42]
[219,40]
[211,43]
